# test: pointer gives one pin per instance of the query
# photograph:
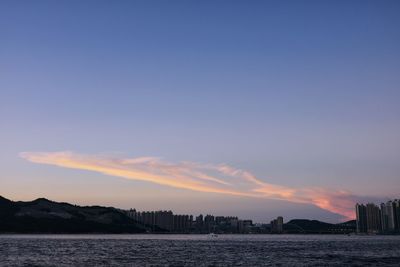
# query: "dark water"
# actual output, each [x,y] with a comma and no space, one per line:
[198,250]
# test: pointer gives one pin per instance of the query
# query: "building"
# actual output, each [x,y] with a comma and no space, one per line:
[388,216]
[361,216]
[396,205]
[382,219]
[373,218]
[244,226]
[166,221]
[199,223]
[132,214]
[247,225]
[209,223]
[181,223]
[277,225]
[161,219]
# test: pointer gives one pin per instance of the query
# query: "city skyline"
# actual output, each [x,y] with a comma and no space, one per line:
[256,109]
[47,216]
[374,219]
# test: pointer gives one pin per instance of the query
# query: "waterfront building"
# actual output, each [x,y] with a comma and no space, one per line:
[388,216]
[199,222]
[209,223]
[181,223]
[244,226]
[277,225]
[219,220]
[378,219]
[132,214]
[361,218]
[373,218]
[164,220]
[396,205]
[167,221]
[247,225]
[233,223]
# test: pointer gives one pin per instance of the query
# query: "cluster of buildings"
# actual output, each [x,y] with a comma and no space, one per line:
[159,221]
[375,219]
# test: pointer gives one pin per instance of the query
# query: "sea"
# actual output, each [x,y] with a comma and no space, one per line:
[199,250]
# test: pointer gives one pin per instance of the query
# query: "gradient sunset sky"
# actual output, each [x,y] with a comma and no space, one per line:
[247,108]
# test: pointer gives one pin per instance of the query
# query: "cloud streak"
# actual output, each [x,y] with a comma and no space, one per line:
[211,178]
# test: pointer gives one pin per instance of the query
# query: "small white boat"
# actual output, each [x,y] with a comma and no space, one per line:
[212,235]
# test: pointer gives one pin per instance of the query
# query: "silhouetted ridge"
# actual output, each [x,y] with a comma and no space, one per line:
[318,227]
[4,201]
[46,216]
[7,208]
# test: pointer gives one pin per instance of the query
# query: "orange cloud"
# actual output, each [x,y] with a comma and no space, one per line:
[221,178]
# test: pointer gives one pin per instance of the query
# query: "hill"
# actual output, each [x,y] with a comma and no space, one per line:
[317,227]
[45,216]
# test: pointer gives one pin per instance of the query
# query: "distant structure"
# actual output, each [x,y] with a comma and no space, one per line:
[169,222]
[389,218]
[373,219]
[361,217]
[277,225]
[162,219]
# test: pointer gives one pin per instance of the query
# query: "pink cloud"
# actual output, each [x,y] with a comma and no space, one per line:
[212,178]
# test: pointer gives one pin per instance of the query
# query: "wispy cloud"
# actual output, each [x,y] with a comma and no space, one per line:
[212,178]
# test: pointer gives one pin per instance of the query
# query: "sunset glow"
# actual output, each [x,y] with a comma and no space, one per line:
[222,179]
[255,109]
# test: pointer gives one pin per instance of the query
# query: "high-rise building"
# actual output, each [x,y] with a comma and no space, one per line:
[181,223]
[209,223]
[199,222]
[234,224]
[277,225]
[388,215]
[132,214]
[396,205]
[280,224]
[361,216]
[166,221]
[247,224]
[373,218]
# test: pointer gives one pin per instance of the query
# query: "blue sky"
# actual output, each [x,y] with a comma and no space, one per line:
[299,93]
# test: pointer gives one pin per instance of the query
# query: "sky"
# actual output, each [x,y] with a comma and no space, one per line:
[249,108]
